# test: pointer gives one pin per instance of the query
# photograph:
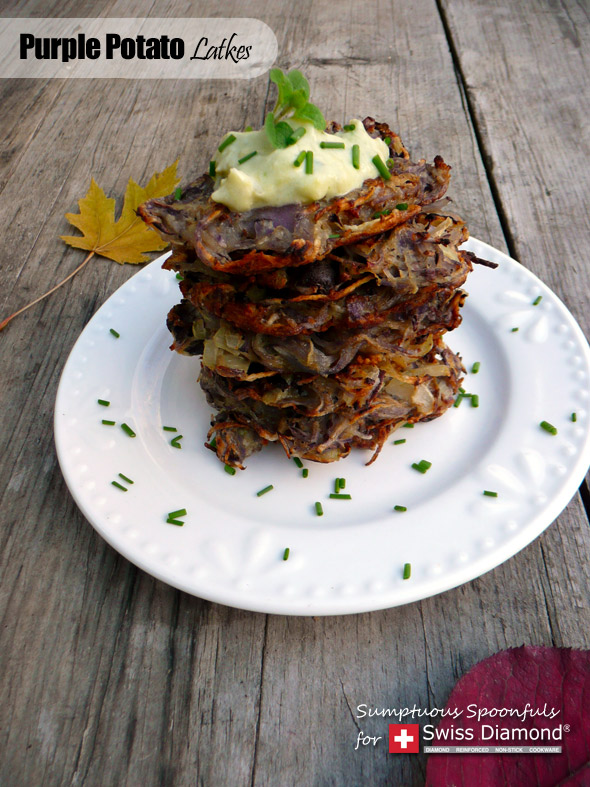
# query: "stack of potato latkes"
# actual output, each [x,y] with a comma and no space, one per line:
[320,325]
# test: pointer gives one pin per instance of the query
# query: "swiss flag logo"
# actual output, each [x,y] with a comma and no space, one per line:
[404,738]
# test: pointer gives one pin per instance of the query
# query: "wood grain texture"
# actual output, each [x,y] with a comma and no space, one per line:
[108,676]
[526,69]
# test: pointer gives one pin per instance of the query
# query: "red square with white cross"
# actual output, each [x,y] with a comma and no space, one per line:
[404,738]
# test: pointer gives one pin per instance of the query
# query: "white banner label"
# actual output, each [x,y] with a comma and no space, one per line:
[131,48]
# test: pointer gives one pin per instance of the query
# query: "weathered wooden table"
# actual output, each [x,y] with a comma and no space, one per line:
[110,677]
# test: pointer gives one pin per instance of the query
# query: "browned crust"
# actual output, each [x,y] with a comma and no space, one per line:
[199,222]
[334,434]
[302,251]
[265,319]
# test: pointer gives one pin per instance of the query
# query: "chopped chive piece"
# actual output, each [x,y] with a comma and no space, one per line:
[179,276]
[408,426]
[286,554]
[574,417]
[334,235]
[212,169]
[514,330]
[174,442]
[474,400]
[124,477]
[212,445]
[458,400]
[128,430]
[548,427]
[333,145]
[247,157]
[108,423]
[266,489]
[226,142]
[309,162]
[335,496]
[343,483]
[248,128]
[336,485]
[400,508]
[349,127]
[487,493]
[387,140]
[407,570]
[401,206]
[172,521]
[176,514]
[305,472]
[298,462]
[295,136]
[399,442]
[178,193]
[115,333]
[475,367]
[537,300]
[319,510]
[390,162]
[422,466]
[300,159]
[170,429]
[118,485]
[356,157]
[381,168]
[103,402]
[230,470]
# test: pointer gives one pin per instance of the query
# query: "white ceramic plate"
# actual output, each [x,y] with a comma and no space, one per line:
[230,549]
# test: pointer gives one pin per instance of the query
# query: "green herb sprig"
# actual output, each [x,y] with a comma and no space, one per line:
[292,102]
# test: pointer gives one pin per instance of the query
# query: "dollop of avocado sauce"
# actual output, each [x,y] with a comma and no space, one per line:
[272,178]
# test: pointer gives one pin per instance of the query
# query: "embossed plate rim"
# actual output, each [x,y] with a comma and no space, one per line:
[223,556]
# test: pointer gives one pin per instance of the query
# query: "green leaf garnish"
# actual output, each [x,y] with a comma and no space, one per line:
[269,127]
[292,102]
[298,100]
[298,82]
[278,133]
[283,133]
[283,85]
[312,113]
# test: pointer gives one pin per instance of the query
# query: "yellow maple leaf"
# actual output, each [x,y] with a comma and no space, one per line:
[126,239]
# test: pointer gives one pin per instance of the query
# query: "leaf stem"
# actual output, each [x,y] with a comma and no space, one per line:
[87,259]
[286,111]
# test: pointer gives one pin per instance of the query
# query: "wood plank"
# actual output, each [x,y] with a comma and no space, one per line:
[412,655]
[318,672]
[527,72]
[107,673]
[534,132]
[105,670]
[312,649]
[393,63]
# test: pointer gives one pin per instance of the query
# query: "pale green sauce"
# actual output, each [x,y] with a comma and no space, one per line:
[270,177]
